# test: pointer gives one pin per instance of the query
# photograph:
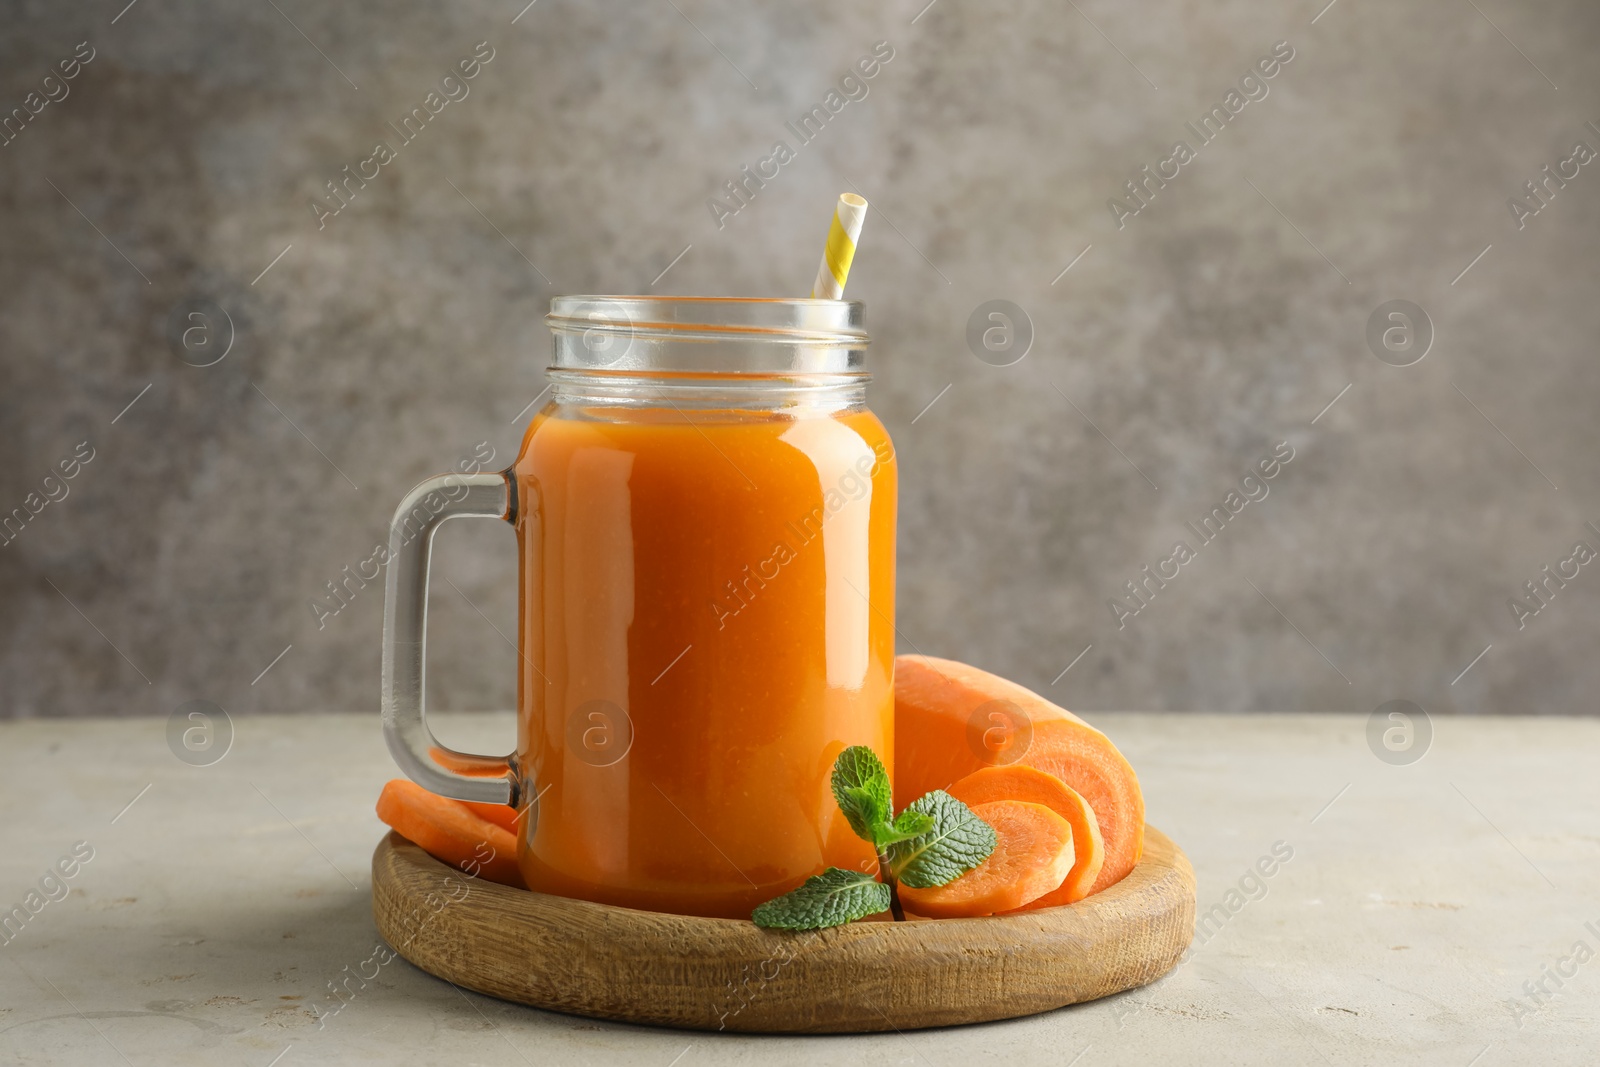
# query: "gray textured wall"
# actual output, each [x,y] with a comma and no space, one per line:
[1217,322]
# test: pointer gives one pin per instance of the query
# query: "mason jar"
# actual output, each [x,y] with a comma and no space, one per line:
[705,517]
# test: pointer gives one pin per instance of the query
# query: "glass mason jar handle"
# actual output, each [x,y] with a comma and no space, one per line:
[438,769]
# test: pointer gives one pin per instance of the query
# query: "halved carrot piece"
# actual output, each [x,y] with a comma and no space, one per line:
[941,709]
[1032,854]
[1020,782]
[449,832]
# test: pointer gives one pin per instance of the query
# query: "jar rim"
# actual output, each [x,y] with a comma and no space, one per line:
[781,320]
[706,333]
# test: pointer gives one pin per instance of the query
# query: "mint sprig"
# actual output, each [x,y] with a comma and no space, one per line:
[932,842]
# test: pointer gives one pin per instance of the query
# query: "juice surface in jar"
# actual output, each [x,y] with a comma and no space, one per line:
[707,621]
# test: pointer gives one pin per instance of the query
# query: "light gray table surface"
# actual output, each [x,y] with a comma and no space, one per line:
[1419,900]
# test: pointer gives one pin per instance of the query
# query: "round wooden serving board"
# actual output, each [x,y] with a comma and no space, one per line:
[725,974]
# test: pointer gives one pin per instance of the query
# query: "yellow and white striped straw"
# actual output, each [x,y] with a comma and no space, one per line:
[841,247]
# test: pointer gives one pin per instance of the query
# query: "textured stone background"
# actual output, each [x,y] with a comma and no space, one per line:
[1207,330]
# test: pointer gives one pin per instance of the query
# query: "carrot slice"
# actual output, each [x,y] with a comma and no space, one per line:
[449,832]
[1019,782]
[1032,854]
[941,734]
[502,815]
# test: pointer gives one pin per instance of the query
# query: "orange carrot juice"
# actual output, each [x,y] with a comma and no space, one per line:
[706,617]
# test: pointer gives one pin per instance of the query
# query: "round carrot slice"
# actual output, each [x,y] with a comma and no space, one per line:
[1020,782]
[1032,854]
[450,832]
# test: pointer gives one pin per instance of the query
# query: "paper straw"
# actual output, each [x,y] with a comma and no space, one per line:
[841,247]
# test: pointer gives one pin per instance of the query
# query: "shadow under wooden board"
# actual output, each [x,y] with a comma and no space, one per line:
[724,974]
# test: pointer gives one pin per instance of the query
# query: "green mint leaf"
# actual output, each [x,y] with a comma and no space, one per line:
[832,898]
[861,788]
[866,811]
[910,824]
[957,842]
